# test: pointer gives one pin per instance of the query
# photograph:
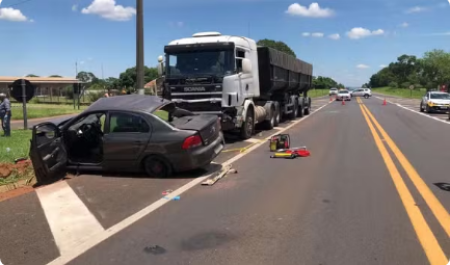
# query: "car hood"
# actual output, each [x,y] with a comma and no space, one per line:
[440,101]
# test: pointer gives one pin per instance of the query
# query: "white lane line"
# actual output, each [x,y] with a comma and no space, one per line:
[102,236]
[440,119]
[252,140]
[70,220]
[278,128]
[443,120]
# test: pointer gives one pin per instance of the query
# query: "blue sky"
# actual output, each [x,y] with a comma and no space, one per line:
[46,37]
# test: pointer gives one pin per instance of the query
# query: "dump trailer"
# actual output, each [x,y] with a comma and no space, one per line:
[230,76]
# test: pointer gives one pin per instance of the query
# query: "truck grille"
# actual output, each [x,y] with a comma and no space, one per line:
[200,106]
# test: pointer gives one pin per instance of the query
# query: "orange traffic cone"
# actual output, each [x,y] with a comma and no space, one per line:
[343,102]
[384,102]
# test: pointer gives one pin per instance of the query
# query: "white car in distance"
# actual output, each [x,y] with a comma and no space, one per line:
[344,95]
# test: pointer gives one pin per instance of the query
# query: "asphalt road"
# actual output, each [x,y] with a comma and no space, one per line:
[366,195]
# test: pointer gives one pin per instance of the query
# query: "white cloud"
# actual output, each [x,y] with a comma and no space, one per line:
[109,10]
[74,7]
[11,14]
[383,65]
[415,9]
[378,32]
[314,10]
[362,66]
[317,35]
[306,34]
[335,36]
[359,33]
[404,25]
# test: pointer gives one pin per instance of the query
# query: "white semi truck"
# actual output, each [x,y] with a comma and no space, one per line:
[232,77]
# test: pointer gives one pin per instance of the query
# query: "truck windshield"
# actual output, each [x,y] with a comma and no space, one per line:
[198,63]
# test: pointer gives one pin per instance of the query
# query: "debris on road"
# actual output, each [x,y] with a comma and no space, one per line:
[166,192]
[155,250]
[176,198]
[218,175]
[292,153]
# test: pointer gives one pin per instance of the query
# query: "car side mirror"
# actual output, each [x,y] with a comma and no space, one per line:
[246,66]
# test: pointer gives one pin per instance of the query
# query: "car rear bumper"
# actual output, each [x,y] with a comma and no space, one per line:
[200,157]
[345,98]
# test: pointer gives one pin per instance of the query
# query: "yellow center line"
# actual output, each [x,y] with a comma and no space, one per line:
[426,237]
[436,207]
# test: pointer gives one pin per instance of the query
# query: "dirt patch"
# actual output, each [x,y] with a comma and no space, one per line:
[16,192]
[20,168]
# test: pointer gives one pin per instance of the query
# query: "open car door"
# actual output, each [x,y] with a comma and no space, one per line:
[47,152]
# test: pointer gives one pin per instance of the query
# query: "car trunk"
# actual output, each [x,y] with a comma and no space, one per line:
[206,125]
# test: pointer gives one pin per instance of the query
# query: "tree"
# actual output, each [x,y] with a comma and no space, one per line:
[55,76]
[31,75]
[86,77]
[127,79]
[322,82]
[277,45]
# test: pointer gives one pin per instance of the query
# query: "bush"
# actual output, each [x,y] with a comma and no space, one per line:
[393,84]
[94,96]
[68,91]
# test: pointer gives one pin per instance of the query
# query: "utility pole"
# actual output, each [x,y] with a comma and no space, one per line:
[24,105]
[76,87]
[140,46]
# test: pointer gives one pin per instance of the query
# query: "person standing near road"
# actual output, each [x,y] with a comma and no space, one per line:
[5,114]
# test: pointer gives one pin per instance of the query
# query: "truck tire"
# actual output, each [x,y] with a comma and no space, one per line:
[295,111]
[277,114]
[300,111]
[248,126]
[268,125]
[307,110]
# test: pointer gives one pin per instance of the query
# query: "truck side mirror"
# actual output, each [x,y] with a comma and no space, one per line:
[160,66]
[246,66]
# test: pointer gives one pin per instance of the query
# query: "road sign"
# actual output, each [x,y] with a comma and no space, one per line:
[17,90]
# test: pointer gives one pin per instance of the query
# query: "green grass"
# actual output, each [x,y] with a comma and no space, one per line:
[315,93]
[42,110]
[401,92]
[16,146]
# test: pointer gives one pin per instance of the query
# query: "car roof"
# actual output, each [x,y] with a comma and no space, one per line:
[129,102]
[438,92]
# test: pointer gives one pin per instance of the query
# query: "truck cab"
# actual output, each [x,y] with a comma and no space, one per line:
[217,74]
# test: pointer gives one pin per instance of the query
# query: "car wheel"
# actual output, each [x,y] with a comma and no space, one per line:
[157,167]
[421,107]
[427,109]
[248,127]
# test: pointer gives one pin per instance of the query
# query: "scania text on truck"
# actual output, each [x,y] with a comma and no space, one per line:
[232,77]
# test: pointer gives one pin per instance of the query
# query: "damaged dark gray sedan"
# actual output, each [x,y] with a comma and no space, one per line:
[130,133]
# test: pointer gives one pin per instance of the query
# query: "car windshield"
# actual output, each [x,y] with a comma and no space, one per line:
[440,96]
[333,89]
[343,92]
[198,63]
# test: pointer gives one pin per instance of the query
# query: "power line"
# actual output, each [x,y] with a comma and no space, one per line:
[16,4]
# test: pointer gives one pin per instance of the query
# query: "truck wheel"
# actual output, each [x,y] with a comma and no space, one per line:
[248,127]
[294,112]
[277,117]
[268,125]
[307,110]
[300,111]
